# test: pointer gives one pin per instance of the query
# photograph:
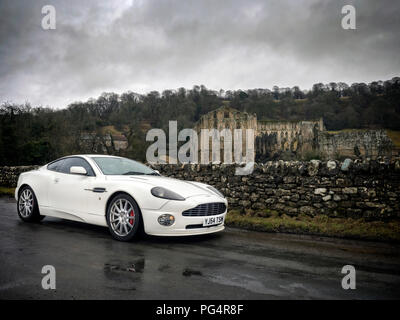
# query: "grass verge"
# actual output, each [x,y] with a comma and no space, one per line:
[395,136]
[7,191]
[321,225]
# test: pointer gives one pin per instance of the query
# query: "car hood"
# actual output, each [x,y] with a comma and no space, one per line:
[184,188]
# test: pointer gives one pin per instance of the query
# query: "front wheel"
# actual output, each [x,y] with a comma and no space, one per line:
[123,218]
[27,206]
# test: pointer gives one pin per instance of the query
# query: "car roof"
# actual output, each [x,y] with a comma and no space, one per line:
[92,155]
[85,156]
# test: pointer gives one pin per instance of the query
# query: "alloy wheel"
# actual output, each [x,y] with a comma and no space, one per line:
[122,217]
[26,202]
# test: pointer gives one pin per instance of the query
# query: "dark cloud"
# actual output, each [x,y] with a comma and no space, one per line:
[155,44]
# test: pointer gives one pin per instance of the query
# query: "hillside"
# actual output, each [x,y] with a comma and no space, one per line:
[35,135]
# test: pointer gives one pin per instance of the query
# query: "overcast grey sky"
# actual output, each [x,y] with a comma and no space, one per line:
[104,46]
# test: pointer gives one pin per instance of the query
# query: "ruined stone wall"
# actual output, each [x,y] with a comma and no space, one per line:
[290,140]
[272,139]
[286,139]
[368,189]
[355,144]
[226,118]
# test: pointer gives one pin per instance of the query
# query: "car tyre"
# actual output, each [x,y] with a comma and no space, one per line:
[123,217]
[27,206]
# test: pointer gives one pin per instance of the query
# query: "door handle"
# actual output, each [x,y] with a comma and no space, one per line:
[97,190]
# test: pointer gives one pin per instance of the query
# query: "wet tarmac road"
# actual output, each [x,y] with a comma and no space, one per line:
[233,264]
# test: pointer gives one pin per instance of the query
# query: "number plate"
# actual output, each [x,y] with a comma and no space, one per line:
[210,221]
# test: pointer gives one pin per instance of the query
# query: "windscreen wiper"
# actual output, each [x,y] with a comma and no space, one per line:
[129,173]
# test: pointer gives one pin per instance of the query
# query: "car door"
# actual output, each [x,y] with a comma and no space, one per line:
[47,182]
[67,193]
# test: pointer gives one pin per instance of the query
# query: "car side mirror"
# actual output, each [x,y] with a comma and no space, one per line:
[78,170]
[156,171]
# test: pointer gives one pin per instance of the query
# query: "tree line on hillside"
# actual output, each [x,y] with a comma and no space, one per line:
[36,135]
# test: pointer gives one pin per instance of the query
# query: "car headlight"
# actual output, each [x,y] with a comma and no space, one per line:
[161,192]
[215,191]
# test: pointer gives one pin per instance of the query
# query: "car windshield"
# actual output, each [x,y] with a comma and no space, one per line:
[122,166]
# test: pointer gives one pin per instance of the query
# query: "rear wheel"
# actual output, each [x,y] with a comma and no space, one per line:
[123,217]
[27,206]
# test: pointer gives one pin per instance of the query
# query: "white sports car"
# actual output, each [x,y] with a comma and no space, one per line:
[119,193]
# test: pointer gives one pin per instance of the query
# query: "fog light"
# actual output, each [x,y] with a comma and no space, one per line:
[166,220]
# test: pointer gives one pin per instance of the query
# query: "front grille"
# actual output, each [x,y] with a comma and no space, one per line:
[205,209]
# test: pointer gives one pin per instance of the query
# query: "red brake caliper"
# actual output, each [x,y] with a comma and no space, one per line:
[131,214]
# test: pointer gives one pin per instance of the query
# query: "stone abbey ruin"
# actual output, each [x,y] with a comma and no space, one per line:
[305,139]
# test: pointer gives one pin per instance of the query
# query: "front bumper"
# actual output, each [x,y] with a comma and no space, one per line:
[183,225]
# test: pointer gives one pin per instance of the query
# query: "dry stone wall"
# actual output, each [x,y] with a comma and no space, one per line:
[368,189]
[9,175]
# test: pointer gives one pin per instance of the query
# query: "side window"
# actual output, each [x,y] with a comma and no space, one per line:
[76,162]
[56,165]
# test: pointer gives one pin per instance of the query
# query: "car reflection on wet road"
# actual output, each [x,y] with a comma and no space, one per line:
[233,264]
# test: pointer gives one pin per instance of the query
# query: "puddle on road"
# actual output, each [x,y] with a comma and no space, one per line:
[252,285]
[187,272]
[124,275]
[127,288]
[164,268]
[297,289]
[116,267]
